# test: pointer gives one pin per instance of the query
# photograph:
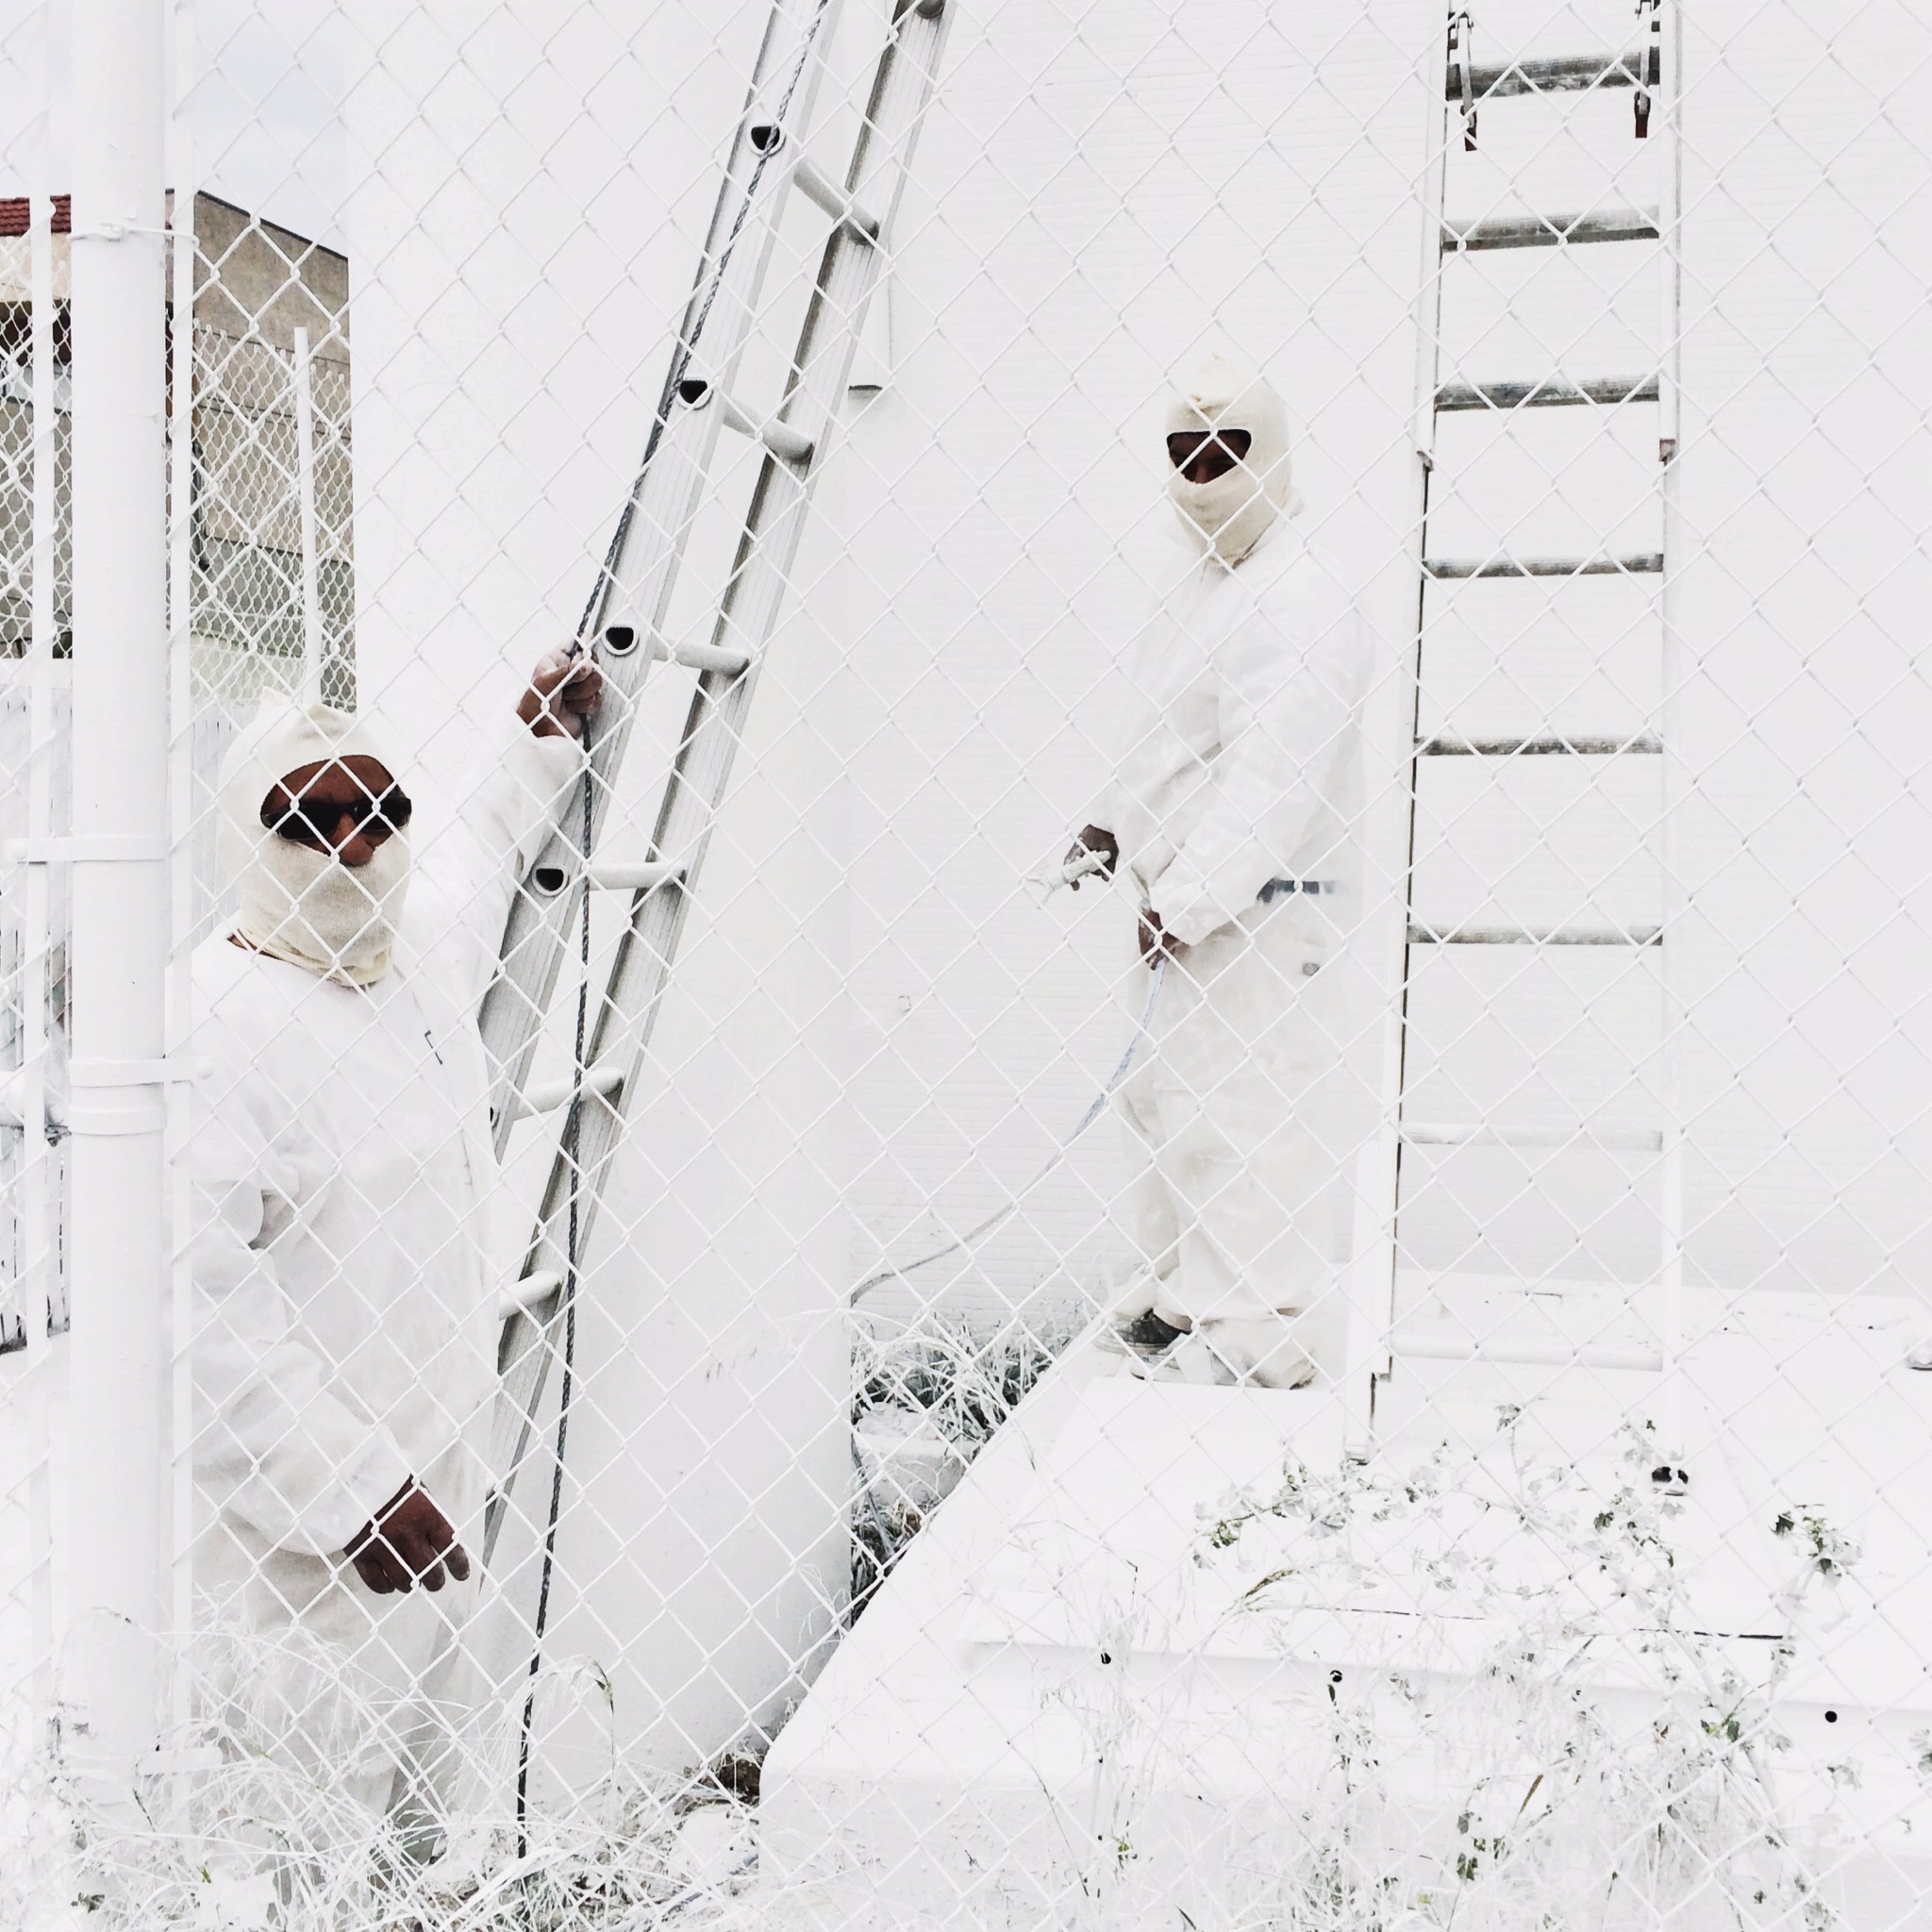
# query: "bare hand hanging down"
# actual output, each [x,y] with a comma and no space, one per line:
[1156,942]
[408,1541]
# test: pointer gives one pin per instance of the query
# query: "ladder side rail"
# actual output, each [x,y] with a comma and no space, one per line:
[903,86]
[1371,1276]
[646,550]
[639,973]
[760,575]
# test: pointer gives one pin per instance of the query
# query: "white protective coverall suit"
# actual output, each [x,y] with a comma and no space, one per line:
[345,1333]
[1238,774]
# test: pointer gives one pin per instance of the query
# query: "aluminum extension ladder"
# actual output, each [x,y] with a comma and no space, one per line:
[1380,1333]
[624,630]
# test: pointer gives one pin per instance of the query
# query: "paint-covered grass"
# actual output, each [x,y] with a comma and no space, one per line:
[964,1380]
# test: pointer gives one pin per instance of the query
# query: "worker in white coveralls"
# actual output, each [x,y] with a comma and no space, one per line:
[344,1347]
[1232,809]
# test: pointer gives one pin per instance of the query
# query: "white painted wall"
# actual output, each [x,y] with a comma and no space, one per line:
[1807,497]
[1097,197]
[1803,471]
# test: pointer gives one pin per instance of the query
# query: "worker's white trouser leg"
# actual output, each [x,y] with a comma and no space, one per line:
[1232,1201]
[347,1707]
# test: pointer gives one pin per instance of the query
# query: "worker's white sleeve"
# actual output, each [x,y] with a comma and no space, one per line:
[1291,688]
[460,897]
[276,1447]
[1104,809]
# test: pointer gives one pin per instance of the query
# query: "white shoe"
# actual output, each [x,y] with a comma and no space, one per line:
[1259,1351]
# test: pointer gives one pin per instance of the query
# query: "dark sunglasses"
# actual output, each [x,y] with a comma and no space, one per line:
[316,821]
[1229,447]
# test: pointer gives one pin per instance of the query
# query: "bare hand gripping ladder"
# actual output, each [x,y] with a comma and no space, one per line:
[624,624]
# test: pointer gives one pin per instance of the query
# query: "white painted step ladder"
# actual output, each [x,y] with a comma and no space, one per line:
[1385,1310]
[623,628]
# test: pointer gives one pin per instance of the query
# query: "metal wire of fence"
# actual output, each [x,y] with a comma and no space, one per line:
[1412,1417]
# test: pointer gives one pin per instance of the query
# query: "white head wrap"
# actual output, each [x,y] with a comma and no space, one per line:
[295,903]
[1230,515]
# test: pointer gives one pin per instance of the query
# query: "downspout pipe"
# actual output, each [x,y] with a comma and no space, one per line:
[111,1676]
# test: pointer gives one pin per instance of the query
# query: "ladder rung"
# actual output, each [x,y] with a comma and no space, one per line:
[1640,563]
[1419,935]
[791,445]
[640,876]
[546,1096]
[620,639]
[700,657]
[520,1297]
[1416,1345]
[636,875]
[1552,231]
[834,200]
[1567,74]
[1602,1139]
[1551,392]
[1450,744]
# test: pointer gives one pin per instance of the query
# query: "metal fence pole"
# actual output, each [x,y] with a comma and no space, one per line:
[305,501]
[116,1500]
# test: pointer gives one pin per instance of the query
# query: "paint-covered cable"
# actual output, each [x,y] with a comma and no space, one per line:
[1012,1205]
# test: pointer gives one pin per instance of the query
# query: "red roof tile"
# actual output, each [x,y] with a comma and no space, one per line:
[13,214]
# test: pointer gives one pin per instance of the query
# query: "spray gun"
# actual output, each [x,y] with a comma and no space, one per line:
[1082,862]
[1072,872]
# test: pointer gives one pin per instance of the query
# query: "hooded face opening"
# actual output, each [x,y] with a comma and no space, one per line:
[1225,439]
[311,835]
[1202,455]
[346,806]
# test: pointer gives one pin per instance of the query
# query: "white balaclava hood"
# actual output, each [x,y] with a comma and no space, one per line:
[294,903]
[1230,515]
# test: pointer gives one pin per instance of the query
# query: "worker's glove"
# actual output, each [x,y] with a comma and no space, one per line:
[1095,841]
[408,1541]
[565,690]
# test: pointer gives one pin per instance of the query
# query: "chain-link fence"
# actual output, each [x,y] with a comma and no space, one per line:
[1168,1168]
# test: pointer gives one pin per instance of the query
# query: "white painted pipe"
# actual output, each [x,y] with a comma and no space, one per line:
[183,782]
[305,501]
[39,1234]
[117,1492]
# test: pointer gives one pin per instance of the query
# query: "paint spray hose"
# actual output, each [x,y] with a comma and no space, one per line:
[1012,1205]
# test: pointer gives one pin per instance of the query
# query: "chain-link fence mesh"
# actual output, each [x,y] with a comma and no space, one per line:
[1360,1371]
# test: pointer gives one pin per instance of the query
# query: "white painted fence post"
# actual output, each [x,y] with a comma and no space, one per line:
[117,1492]
[304,502]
